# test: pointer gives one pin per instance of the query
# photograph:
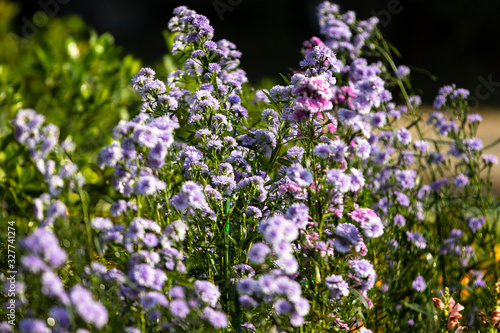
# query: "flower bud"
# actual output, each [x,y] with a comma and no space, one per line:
[482,318]
[438,303]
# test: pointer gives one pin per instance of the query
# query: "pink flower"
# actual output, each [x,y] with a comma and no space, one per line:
[362,215]
[310,44]
[454,315]
[495,317]
[438,304]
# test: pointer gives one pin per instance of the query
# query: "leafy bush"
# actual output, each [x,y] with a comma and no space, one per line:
[307,208]
[72,76]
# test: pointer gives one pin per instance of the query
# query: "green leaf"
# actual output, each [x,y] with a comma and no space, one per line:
[360,297]
[285,79]
[416,308]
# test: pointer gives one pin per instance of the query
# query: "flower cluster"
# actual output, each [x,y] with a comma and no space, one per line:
[287,223]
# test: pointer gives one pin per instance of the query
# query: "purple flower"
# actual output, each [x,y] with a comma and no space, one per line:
[216,318]
[177,292]
[118,208]
[461,180]
[150,240]
[288,264]
[56,209]
[368,94]
[298,213]
[363,269]
[322,150]
[176,231]
[110,155]
[148,185]
[127,330]
[191,195]
[378,119]
[419,284]
[338,287]
[479,282]
[348,117]
[143,275]
[362,148]
[348,232]
[439,102]
[295,154]
[438,184]
[254,212]
[247,301]
[373,227]
[56,184]
[53,286]
[263,140]
[473,144]
[28,325]
[399,220]
[407,157]
[257,183]
[338,150]
[101,223]
[156,155]
[180,201]
[340,181]
[280,93]
[421,145]
[282,306]
[258,253]
[179,308]
[61,315]
[406,179]
[153,298]
[89,310]
[490,159]
[474,118]
[402,199]
[214,68]
[342,245]
[271,117]
[224,183]
[357,180]
[417,239]
[423,193]
[302,306]
[246,286]
[277,228]
[475,223]
[285,286]
[33,263]
[44,243]
[144,76]
[207,292]
[68,170]
[461,93]
[403,136]
[402,71]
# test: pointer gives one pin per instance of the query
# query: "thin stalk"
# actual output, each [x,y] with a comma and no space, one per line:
[86,219]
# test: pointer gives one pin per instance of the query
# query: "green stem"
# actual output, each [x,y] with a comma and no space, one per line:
[86,218]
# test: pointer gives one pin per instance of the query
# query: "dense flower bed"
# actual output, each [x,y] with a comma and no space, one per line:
[319,205]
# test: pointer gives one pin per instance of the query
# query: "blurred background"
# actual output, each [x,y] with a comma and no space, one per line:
[454,40]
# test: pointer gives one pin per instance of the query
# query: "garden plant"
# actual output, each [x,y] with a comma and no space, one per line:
[328,203]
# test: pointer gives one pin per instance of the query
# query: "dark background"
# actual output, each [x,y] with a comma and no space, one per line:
[457,41]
